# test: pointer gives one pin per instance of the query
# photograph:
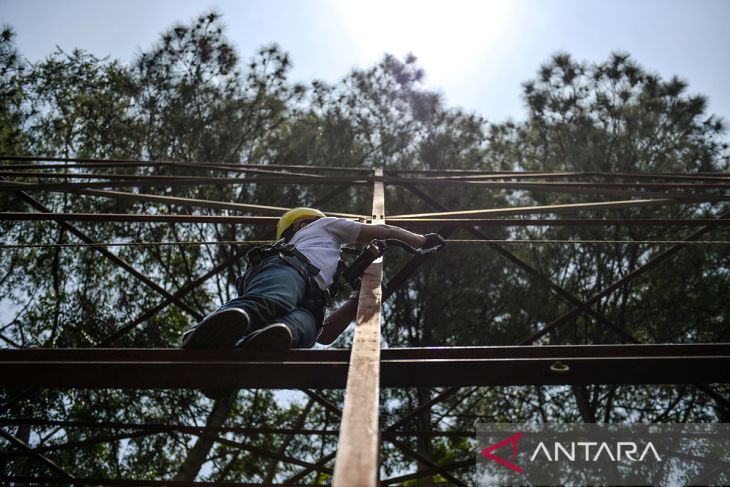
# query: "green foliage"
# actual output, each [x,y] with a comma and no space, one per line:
[190,97]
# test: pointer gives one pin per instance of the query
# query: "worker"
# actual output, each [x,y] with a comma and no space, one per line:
[283,294]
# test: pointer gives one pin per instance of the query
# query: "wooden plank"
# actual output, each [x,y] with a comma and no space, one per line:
[357,463]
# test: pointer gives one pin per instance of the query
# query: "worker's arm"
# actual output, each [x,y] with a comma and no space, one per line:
[369,233]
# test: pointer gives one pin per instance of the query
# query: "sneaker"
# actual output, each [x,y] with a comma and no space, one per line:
[276,337]
[220,330]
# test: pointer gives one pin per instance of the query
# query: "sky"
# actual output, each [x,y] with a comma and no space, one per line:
[475,52]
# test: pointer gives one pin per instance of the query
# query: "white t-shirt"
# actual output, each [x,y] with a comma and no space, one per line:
[320,242]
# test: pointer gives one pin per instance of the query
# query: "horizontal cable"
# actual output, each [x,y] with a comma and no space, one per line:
[137,244]
[451,241]
[271,220]
[111,162]
[580,242]
[455,172]
[41,422]
[561,208]
[483,181]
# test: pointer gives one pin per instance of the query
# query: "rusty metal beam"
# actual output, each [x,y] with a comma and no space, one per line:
[175,181]
[130,217]
[558,290]
[116,259]
[20,480]
[357,463]
[166,427]
[653,262]
[233,165]
[422,408]
[403,222]
[430,472]
[195,202]
[53,466]
[424,460]
[179,294]
[451,172]
[428,367]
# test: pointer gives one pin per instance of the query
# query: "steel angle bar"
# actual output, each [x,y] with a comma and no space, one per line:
[102,162]
[218,439]
[166,427]
[320,463]
[528,210]
[551,185]
[555,222]
[21,480]
[422,408]
[116,259]
[171,182]
[426,461]
[180,293]
[323,401]
[281,177]
[477,173]
[53,466]
[139,218]
[267,453]
[193,202]
[329,196]
[81,443]
[721,400]
[430,472]
[653,262]
[429,367]
[560,291]
[123,330]
[454,172]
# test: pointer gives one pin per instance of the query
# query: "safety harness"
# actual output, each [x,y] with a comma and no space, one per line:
[316,299]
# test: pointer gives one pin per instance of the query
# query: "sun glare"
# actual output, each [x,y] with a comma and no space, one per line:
[446,36]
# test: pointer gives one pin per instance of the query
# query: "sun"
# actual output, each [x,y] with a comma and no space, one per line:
[447,36]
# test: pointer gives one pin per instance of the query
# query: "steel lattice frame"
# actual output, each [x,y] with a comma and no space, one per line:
[359,370]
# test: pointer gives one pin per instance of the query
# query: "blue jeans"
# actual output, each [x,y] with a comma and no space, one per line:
[272,293]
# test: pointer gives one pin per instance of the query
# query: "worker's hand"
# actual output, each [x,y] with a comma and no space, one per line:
[434,242]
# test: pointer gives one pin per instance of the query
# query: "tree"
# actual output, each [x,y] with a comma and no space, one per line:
[190,98]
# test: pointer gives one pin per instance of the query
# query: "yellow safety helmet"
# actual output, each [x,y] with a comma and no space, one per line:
[288,218]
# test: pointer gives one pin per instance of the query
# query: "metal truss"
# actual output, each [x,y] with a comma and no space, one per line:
[366,368]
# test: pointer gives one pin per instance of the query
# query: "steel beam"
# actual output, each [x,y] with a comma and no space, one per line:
[131,180]
[402,222]
[67,478]
[116,259]
[650,264]
[20,480]
[324,369]
[560,291]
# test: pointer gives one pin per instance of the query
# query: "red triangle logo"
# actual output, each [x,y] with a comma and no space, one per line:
[487,452]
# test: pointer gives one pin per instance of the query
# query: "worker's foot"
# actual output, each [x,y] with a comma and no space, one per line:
[220,330]
[276,337]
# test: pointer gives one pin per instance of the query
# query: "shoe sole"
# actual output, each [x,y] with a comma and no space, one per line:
[218,331]
[272,338]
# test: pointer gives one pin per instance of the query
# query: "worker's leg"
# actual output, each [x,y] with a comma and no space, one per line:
[273,289]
